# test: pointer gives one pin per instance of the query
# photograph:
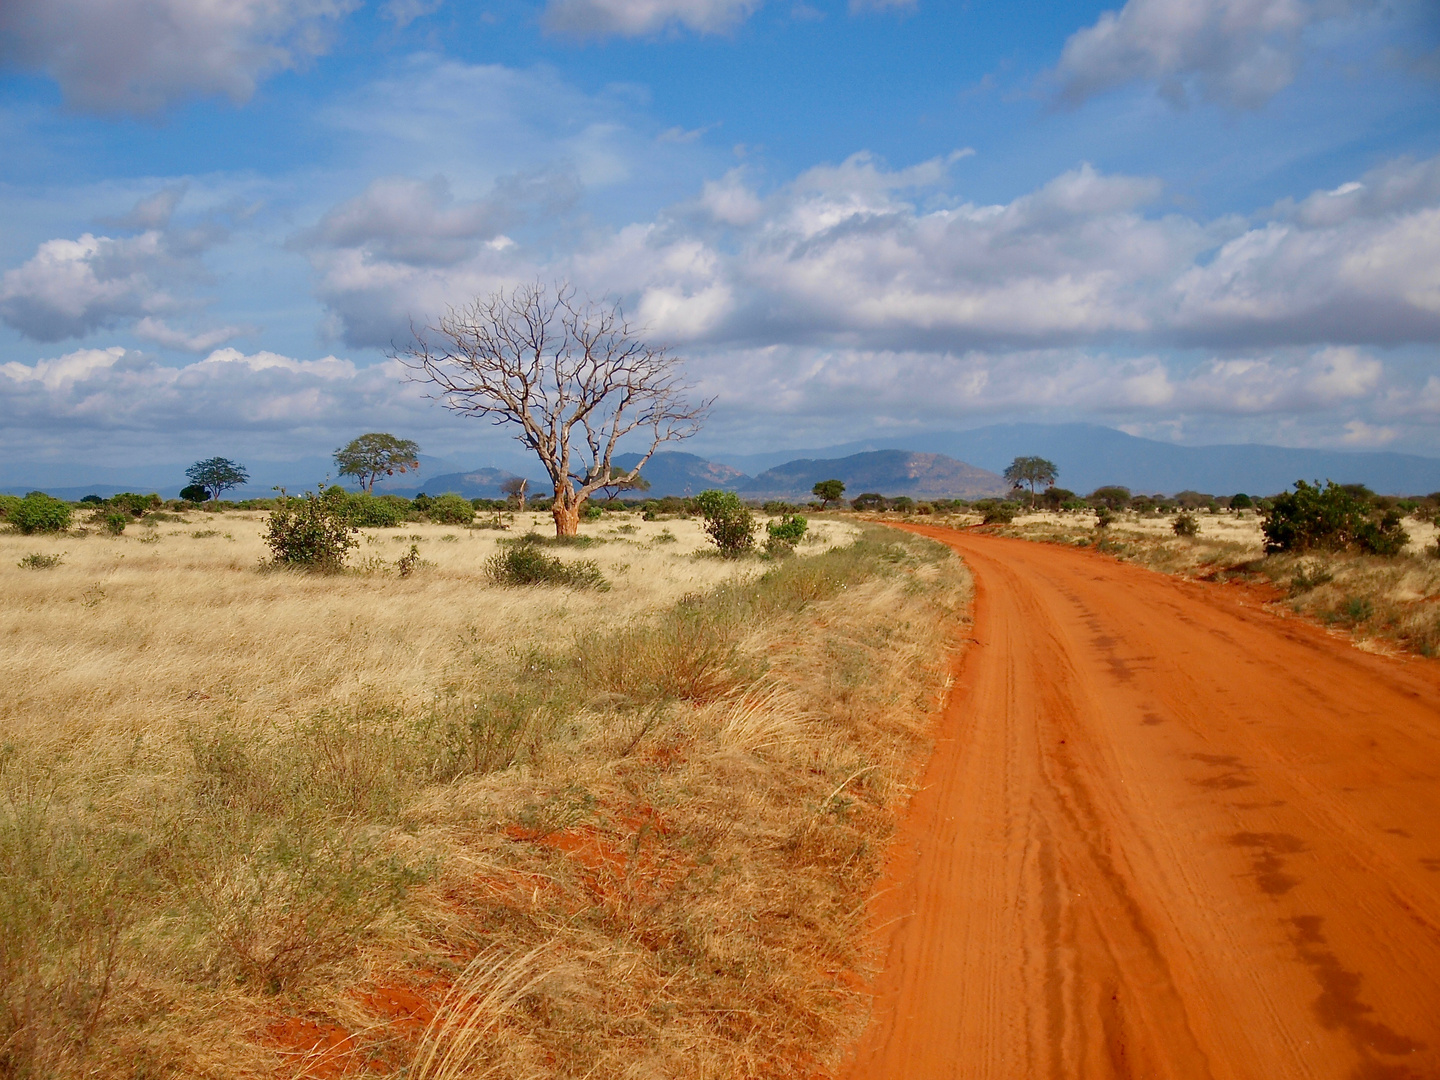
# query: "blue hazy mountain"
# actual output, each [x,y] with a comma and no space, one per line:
[888,472]
[1088,455]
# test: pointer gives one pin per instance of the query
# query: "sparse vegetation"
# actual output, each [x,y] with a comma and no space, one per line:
[1185,525]
[1334,518]
[39,560]
[312,532]
[524,563]
[39,513]
[583,831]
[730,523]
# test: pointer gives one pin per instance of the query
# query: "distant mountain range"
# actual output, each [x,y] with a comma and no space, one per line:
[1088,456]
[921,465]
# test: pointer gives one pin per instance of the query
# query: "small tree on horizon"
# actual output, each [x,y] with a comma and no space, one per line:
[1032,471]
[378,453]
[514,490]
[217,475]
[828,491]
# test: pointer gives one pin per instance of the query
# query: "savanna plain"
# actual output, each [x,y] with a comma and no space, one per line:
[263,823]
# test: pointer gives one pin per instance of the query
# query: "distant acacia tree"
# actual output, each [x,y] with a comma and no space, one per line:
[377,454]
[514,490]
[573,378]
[1032,471]
[217,475]
[828,491]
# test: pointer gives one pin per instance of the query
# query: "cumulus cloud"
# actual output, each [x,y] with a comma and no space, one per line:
[137,56]
[1238,53]
[864,256]
[639,18]
[70,288]
[116,388]
[1359,263]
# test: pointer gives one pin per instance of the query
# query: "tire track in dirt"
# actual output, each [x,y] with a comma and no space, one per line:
[1164,834]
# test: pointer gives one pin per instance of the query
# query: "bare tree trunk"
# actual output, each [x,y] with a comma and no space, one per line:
[566,512]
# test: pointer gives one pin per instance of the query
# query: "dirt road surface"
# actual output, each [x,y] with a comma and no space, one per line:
[1165,834]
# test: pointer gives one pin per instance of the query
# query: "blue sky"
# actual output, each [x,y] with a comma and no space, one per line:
[1197,220]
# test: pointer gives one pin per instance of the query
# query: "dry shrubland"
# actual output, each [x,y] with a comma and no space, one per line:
[255,822]
[1380,601]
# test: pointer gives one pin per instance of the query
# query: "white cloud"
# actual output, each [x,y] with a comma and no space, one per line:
[639,18]
[137,56]
[403,12]
[116,389]
[169,337]
[70,288]
[1239,53]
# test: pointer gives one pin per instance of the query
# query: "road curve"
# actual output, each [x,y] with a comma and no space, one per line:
[1164,834]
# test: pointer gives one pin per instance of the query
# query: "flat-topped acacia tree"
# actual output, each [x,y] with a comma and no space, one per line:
[574,378]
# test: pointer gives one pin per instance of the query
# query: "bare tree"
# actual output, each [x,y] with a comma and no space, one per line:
[574,378]
[514,489]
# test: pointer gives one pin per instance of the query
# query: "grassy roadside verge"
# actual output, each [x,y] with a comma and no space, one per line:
[1381,602]
[631,847]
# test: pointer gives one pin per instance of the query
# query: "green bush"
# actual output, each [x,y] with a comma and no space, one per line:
[1333,518]
[523,563]
[1185,525]
[999,514]
[313,531]
[39,561]
[128,502]
[7,504]
[1241,501]
[368,511]
[1110,497]
[451,510]
[1104,517]
[194,493]
[790,529]
[38,512]
[728,521]
[115,521]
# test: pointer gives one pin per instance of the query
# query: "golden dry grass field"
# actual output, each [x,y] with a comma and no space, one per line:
[261,823]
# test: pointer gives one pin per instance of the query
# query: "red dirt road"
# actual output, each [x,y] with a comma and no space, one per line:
[1164,834]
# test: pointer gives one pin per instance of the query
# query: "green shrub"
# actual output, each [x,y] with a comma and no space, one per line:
[39,561]
[312,531]
[115,522]
[1333,518]
[1111,497]
[592,512]
[999,514]
[728,521]
[7,504]
[195,493]
[38,512]
[790,529]
[523,563]
[1104,517]
[451,510]
[1185,525]
[1241,501]
[137,506]
[368,511]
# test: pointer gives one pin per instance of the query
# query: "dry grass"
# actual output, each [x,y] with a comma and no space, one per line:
[1380,602]
[271,824]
